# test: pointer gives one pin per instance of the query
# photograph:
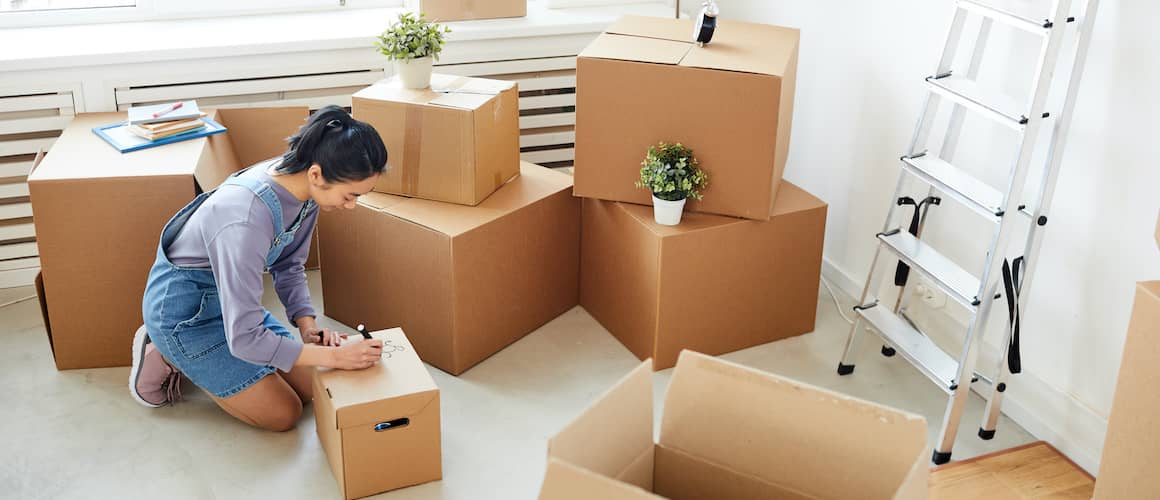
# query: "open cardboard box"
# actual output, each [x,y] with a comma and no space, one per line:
[713,284]
[465,10]
[380,426]
[731,101]
[731,432]
[456,142]
[465,282]
[99,215]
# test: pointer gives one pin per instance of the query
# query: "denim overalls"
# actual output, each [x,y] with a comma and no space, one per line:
[182,311]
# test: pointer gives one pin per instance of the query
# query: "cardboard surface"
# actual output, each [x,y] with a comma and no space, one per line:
[464,282]
[99,215]
[719,439]
[464,10]
[1132,446]
[731,101]
[457,143]
[751,282]
[351,405]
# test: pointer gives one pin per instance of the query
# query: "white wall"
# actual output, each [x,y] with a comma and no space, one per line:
[859,93]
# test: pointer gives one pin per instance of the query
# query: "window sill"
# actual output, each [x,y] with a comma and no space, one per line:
[139,42]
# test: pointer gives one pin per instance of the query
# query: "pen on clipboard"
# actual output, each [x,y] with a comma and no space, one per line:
[170,109]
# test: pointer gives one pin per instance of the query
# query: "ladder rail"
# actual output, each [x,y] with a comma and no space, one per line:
[1043,205]
[989,281]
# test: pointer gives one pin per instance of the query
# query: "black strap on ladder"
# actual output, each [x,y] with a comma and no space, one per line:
[903,271]
[1012,281]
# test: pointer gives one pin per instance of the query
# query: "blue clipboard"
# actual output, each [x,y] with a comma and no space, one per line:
[119,136]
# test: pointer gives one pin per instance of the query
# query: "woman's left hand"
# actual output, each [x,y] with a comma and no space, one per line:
[321,336]
[313,334]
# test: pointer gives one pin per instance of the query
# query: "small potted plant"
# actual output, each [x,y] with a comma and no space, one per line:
[413,43]
[673,175]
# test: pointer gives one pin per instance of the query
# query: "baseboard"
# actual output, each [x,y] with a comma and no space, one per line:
[1044,411]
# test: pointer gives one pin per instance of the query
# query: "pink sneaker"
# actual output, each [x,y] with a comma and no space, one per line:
[152,382]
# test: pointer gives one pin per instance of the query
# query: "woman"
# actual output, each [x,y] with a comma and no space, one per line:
[203,302]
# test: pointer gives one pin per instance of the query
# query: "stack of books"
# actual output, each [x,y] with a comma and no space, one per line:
[165,120]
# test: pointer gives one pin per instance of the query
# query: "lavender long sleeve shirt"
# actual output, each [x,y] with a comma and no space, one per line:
[231,233]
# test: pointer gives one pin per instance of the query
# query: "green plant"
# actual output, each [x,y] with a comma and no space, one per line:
[672,173]
[412,37]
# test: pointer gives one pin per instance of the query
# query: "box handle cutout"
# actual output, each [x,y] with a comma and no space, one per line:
[392,424]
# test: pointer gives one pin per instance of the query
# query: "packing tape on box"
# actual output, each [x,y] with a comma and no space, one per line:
[412,148]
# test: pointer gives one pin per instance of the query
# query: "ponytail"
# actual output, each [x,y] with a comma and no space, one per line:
[348,150]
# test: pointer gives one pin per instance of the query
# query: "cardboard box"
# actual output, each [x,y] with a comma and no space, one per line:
[457,143]
[713,284]
[731,101]
[380,426]
[730,432]
[1132,446]
[465,10]
[465,282]
[99,215]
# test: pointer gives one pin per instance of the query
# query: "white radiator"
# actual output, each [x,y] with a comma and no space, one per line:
[29,123]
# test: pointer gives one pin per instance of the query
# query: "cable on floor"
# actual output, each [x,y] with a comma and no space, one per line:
[836,304]
[17,301]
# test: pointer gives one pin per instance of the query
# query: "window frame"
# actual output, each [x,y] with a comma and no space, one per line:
[162,10]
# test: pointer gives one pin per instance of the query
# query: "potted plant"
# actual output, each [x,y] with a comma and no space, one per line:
[413,43]
[673,175]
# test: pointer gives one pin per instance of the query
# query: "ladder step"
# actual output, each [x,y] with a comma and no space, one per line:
[1028,24]
[999,107]
[917,348]
[958,184]
[952,279]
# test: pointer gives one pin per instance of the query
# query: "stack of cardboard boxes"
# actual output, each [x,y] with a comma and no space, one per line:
[463,246]
[743,266]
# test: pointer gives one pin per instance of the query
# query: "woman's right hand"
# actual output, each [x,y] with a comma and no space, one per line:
[358,355]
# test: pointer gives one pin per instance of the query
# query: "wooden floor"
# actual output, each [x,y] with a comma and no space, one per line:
[1036,470]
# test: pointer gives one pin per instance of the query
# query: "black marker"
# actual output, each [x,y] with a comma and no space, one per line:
[363,330]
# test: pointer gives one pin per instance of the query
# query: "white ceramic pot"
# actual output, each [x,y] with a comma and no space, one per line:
[667,213]
[415,73]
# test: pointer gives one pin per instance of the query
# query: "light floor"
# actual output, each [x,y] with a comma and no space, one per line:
[78,434]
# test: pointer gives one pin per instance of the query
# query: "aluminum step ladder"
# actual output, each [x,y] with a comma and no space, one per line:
[1002,208]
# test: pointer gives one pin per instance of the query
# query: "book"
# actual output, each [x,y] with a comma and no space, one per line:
[120,138]
[158,134]
[144,114]
[161,126]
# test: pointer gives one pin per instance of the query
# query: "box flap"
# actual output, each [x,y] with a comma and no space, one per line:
[533,184]
[748,48]
[567,482]
[661,28]
[398,386]
[459,92]
[790,434]
[80,154]
[380,201]
[631,48]
[736,46]
[261,133]
[612,435]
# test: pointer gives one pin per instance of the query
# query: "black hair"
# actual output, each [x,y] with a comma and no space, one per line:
[348,150]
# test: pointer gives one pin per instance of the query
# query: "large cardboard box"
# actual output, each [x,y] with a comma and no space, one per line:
[99,215]
[713,284]
[465,282]
[643,82]
[465,10]
[380,427]
[457,141]
[1132,446]
[730,432]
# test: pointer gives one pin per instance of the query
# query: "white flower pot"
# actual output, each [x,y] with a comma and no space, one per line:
[415,73]
[667,213]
